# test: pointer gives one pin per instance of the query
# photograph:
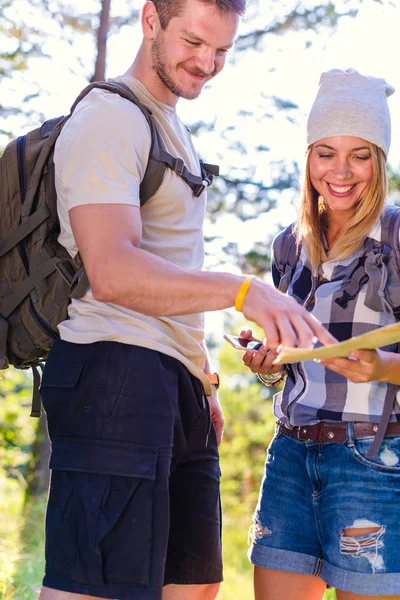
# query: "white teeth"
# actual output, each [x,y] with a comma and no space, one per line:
[340,189]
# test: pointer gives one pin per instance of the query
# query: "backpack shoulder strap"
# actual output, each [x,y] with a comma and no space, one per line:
[286,251]
[116,87]
[390,225]
[155,170]
[159,158]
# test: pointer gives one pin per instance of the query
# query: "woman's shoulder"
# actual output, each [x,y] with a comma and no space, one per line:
[284,252]
[389,226]
[284,240]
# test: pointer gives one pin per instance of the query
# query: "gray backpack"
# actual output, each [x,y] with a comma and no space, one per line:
[37,275]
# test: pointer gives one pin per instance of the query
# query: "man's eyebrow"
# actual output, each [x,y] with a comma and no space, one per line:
[196,38]
[332,148]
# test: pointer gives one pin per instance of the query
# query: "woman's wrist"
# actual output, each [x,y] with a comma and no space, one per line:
[390,367]
[273,379]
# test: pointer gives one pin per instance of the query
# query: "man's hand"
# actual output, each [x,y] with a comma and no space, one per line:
[216,414]
[284,321]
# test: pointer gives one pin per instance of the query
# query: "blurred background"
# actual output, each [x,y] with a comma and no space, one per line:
[251,121]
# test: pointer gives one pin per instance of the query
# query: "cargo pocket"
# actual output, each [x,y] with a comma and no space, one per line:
[125,530]
[57,392]
[99,527]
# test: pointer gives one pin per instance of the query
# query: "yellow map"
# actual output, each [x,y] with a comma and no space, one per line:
[367,341]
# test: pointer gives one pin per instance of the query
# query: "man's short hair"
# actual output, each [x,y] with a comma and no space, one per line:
[167,9]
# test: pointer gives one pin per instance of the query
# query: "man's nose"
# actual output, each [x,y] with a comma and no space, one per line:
[206,60]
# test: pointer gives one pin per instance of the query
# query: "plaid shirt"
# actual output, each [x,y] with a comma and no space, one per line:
[312,392]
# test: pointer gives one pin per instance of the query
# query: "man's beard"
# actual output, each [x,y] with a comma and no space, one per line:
[162,68]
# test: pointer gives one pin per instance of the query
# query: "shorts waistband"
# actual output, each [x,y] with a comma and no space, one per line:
[336,433]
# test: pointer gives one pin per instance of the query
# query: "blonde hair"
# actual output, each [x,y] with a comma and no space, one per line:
[312,222]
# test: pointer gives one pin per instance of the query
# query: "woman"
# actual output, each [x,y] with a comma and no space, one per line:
[328,510]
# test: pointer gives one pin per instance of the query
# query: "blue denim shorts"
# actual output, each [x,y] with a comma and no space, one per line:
[311,493]
[134,495]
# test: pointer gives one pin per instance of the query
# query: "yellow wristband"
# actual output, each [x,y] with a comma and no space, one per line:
[242,293]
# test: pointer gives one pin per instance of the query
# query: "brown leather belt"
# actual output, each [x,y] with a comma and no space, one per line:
[336,433]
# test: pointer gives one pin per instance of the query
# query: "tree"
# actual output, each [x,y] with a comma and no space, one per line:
[100,68]
[33,30]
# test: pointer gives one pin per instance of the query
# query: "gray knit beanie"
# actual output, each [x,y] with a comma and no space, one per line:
[348,103]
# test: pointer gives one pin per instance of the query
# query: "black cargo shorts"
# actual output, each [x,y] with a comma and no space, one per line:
[134,495]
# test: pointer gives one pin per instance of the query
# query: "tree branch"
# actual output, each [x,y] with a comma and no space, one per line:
[298,19]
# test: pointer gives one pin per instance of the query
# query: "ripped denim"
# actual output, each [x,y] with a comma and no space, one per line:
[327,510]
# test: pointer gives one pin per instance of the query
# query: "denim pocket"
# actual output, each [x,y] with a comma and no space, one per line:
[388,456]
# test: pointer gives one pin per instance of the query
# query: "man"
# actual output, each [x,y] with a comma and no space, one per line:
[133,508]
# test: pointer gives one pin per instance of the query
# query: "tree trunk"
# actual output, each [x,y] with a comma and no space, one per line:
[100,68]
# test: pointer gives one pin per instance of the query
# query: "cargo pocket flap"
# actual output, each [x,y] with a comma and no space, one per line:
[95,456]
[63,374]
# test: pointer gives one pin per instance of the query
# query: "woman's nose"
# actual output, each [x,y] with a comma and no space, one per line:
[342,170]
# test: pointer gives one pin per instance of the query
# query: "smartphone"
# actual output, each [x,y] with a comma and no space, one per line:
[241,343]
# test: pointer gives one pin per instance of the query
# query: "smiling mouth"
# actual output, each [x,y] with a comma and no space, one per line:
[341,189]
[197,75]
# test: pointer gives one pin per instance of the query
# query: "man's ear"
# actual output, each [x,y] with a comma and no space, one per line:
[150,21]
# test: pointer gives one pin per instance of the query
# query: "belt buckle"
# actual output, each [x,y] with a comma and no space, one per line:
[303,429]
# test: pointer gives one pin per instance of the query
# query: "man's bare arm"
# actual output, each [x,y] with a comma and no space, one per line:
[215,407]
[120,272]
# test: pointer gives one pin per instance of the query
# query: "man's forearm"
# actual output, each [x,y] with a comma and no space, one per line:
[124,274]
[148,284]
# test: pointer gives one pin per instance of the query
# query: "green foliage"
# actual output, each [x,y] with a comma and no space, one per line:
[394,183]
[18,38]
[249,426]
[11,503]
[22,543]
[17,432]
[29,560]
[17,429]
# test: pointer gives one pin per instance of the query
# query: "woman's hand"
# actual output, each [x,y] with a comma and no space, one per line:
[259,361]
[364,366]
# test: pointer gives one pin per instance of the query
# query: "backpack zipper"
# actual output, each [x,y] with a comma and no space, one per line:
[40,321]
[21,143]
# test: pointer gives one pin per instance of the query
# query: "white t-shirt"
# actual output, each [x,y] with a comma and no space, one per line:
[100,158]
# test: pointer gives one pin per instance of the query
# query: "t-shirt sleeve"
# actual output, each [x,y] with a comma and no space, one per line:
[102,152]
